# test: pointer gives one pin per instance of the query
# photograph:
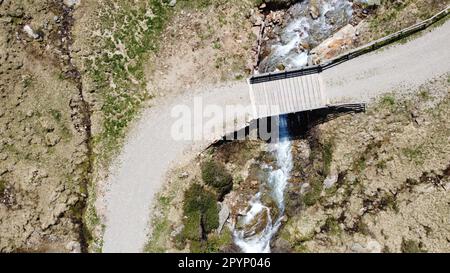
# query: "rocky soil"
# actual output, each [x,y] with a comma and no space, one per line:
[74,75]
[369,182]
[44,130]
[374,182]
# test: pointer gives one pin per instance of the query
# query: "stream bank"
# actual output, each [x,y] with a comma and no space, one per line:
[247,188]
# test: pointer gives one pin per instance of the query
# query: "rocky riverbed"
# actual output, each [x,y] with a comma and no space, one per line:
[290,35]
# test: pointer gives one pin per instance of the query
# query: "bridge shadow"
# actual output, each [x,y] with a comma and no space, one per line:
[291,126]
[298,124]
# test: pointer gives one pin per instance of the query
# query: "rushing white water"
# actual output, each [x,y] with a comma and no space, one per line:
[257,227]
[259,242]
[302,30]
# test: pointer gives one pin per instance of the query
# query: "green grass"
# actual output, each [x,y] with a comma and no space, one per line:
[200,219]
[331,226]
[217,45]
[390,202]
[369,152]
[327,155]
[313,195]
[196,4]
[139,33]
[362,228]
[2,187]
[215,242]
[64,131]
[424,94]
[301,248]
[161,227]
[381,165]
[414,154]
[27,81]
[160,231]
[393,16]
[91,221]
[202,4]
[388,100]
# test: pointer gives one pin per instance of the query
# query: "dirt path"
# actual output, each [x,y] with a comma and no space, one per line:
[396,67]
[150,151]
[146,157]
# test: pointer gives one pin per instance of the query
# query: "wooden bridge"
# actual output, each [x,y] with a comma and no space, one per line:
[289,95]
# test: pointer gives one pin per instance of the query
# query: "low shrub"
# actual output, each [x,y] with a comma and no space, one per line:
[200,211]
[215,175]
[411,246]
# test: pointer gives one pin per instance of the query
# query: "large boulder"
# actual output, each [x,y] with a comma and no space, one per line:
[335,45]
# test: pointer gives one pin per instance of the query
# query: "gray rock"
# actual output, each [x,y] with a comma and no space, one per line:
[30,32]
[172,3]
[329,181]
[183,175]
[281,246]
[3,156]
[73,247]
[177,231]
[224,214]
[314,9]
[51,139]
[71,3]
[369,2]
[371,247]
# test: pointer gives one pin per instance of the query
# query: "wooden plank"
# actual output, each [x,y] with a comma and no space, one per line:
[287,96]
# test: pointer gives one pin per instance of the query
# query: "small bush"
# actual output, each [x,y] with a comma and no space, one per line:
[215,175]
[331,226]
[411,246]
[200,211]
[216,242]
[313,195]
[2,186]
[388,100]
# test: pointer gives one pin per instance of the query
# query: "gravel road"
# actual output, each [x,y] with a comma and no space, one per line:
[148,154]
[150,151]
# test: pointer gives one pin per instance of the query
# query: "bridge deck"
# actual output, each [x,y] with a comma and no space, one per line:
[289,95]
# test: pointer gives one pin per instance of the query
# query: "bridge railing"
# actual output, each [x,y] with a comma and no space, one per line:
[372,46]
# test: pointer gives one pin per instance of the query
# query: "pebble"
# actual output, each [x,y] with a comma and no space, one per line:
[172,3]
[30,32]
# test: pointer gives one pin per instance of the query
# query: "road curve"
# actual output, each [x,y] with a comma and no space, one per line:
[149,151]
[147,155]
